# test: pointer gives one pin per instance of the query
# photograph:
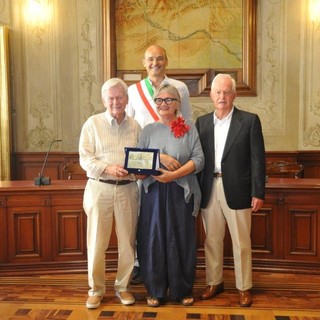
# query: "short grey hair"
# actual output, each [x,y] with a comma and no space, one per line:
[113,82]
[224,76]
[168,88]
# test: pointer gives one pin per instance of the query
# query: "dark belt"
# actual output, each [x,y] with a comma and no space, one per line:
[116,182]
[217,175]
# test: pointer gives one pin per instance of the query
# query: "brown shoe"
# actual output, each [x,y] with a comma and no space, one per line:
[93,302]
[126,297]
[212,291]
[245,298]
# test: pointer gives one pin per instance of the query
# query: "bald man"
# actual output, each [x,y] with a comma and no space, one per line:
[141,105]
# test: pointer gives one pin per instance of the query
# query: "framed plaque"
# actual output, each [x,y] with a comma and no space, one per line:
[142,161]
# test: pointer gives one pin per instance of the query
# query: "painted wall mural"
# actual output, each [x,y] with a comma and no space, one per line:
[182,27]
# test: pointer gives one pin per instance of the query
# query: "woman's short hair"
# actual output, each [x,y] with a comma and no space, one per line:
[168,88]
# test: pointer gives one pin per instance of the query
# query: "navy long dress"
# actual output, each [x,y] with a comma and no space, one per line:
[166,241]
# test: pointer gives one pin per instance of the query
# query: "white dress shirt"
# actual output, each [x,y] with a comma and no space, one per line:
[221,129]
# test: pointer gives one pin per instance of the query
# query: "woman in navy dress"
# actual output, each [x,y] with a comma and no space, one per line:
[166,240]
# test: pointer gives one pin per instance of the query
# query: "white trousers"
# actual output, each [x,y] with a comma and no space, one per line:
[215,217]
[102,203]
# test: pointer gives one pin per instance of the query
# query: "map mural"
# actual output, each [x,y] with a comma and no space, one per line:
[195,33]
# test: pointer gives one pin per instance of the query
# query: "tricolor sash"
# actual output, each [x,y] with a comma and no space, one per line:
[145,100]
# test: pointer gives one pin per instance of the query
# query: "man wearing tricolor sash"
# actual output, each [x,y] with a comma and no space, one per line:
[141,105]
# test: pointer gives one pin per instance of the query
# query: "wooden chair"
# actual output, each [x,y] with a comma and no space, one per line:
[284,169]
[74,171]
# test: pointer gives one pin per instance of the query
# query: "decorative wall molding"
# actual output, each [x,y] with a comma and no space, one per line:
[39,80]
[57,73]
[273,49]
[4,12]
[63,64]
[40,135]
[87,76]
[310,90]
[270,103]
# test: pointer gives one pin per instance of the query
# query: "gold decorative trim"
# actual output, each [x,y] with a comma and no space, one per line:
[5,119]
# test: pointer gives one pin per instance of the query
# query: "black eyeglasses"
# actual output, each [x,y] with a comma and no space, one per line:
[167,101]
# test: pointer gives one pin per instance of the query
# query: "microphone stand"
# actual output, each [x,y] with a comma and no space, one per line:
[41,180]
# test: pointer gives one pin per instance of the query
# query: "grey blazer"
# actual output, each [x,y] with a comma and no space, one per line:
[243,162]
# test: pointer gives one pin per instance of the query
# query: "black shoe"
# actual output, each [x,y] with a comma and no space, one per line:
[136,279]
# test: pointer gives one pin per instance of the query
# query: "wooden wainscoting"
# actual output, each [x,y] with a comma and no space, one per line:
[27,165]
[285,233]
[44,228]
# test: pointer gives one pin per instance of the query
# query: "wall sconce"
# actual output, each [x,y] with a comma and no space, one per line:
[37,12]
[314,9]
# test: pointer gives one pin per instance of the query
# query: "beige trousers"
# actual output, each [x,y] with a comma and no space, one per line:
[102,203]
[215,217]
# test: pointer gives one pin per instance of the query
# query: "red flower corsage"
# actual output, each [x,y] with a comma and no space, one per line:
[179,127]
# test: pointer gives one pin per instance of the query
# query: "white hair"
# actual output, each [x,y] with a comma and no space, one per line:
[224,76]
[113,82]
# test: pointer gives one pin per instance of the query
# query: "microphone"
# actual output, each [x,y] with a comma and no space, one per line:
[41,180]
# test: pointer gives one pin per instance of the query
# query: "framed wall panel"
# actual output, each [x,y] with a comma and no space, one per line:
[198,80]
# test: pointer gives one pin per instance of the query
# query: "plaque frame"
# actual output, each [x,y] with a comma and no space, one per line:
[143,161]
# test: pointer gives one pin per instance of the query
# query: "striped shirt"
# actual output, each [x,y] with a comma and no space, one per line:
[102,143]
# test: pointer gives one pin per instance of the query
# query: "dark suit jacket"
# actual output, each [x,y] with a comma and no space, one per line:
[243,163]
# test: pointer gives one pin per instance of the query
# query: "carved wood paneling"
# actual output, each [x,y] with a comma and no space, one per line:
[45,230]
[3,230]
[262,233]
[27,165]
[69,233]
[301,225]
[311,163]
[68,226]
[28,234]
